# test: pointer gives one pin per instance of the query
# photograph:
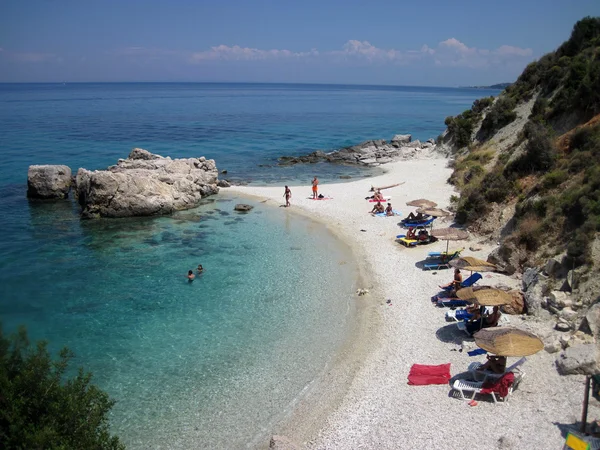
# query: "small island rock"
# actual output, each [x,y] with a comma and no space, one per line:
[48,182]
[145,184]
[243,207]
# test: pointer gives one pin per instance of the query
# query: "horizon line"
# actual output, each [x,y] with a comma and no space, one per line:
[251,82]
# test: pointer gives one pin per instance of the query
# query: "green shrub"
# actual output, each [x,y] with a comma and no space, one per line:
[539,152]
[470,207]
[501,114]
[496,187]
[39,409]
[555,178]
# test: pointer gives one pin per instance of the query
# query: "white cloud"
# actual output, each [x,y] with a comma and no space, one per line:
[237,53]
[510,50]
[448,53]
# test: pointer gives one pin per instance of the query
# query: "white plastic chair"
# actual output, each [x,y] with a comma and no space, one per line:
[475,387]
[492,376]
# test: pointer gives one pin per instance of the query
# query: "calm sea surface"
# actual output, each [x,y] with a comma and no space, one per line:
[216,362]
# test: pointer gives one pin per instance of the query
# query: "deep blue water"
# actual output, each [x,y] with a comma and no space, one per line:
[220,359]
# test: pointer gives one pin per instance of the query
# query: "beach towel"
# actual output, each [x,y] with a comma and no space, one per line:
[501,386]
[385,199]
[396,213]
[322,198]
[421,375]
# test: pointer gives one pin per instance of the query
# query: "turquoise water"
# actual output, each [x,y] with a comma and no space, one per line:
[213,363]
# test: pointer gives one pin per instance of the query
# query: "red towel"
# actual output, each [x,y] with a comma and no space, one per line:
[421,374]
[501,386]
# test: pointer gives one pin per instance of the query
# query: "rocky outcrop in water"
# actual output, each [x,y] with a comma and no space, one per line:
[48,182]
[369,153]
[145,184]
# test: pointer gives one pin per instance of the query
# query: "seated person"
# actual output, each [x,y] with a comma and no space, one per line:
[410,234]
[378,196]
[455,283]
[489,321]
[496,364]
[378,208]
[412,217]
[492,319]
[389,211]
[423,235]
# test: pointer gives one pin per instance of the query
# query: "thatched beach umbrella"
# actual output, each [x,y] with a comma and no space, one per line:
[508,341]
[434,212]
[473,264]
[449,234]
[422,203]
[485,297]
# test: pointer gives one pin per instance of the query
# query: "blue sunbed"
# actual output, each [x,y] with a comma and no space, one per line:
[419,223]
[468,282]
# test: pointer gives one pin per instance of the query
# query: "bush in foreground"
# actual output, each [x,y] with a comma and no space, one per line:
[40,409]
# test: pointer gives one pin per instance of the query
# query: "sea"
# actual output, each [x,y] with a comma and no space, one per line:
[220,361]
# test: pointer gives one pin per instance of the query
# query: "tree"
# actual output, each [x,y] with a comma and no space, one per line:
[42,409]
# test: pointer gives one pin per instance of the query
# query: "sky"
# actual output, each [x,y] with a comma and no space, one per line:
[391,42]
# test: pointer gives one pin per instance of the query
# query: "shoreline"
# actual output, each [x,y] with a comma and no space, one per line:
[325,393]
[374,407]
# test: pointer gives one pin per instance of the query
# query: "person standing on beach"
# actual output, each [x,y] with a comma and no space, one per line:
[315,183]
[287,194]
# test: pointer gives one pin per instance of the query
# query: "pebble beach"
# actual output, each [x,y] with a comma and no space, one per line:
[363,401]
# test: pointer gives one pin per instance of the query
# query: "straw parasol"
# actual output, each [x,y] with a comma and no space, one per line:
[473,264]
[484,297]
[449,234]
[508,341]
[435,212]
[422,203]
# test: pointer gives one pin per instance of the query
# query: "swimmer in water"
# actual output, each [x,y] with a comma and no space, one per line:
[190,276]
[200,269]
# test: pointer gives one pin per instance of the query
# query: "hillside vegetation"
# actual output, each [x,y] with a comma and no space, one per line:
[546,171]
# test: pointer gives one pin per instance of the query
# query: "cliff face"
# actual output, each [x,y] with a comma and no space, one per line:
[527,164]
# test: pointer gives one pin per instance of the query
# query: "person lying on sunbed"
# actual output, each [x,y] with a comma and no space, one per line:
[455,283]
[412,217]
[378,208]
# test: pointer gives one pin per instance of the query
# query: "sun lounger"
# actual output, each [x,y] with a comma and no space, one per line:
[416,223]
[436,265]
[456,315]
[450,302]
[407,242]
[442,263]
[442,255]
[468,282]
[506,384]
[487,375]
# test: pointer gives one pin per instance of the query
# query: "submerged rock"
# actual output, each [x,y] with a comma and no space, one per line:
[48,182]
[146,184]
[243,207]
